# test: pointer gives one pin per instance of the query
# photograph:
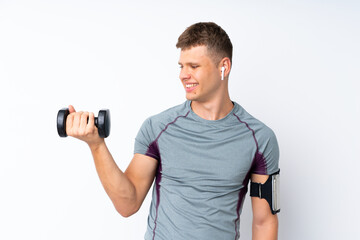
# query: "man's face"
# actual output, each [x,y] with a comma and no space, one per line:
[199,75]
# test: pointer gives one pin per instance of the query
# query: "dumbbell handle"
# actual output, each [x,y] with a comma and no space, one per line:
[95,121]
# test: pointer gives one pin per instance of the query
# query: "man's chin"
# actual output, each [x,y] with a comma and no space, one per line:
[191,97]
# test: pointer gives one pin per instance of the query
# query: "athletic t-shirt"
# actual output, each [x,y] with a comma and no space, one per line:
[203,171]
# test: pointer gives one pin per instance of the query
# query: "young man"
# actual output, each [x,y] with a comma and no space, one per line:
[201,153]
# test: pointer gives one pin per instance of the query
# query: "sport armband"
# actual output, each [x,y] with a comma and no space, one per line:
[270,191]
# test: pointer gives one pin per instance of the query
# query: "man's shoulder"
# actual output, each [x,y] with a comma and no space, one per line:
[261,130]
[169,115]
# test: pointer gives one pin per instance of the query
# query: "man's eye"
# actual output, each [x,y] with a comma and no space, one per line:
[194,66]
[180,66]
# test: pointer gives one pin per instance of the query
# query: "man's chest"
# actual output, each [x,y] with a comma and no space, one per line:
[212,158]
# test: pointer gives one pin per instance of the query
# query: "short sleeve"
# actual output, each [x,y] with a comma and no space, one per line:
[144,138]
[267,157]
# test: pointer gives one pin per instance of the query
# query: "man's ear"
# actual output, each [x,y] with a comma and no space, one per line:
[225,66]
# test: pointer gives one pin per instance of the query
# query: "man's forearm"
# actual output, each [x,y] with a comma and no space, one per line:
[116,184]
[266,230]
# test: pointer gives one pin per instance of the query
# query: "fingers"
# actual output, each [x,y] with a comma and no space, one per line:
[71,109]
[69,123]
[80,124]
[83,122]
[90,128]
[91,119]
[76,122]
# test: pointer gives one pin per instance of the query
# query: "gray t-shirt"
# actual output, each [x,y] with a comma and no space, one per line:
[204,169]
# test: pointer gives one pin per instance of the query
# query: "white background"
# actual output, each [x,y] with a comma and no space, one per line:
[295,67]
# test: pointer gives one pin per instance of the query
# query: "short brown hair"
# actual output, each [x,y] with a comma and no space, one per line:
[210,35]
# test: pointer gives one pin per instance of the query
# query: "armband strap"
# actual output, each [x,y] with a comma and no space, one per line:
[268,191]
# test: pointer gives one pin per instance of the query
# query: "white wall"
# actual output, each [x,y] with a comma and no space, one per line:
[295,67]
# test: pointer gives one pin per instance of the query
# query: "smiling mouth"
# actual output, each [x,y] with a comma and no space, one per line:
[191,85]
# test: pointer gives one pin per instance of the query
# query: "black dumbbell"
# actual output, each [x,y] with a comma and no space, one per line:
[102,122]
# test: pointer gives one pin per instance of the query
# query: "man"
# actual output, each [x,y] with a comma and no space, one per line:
[201,153]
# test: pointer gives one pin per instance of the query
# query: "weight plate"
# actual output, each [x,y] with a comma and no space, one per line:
[61,121]
[103,123]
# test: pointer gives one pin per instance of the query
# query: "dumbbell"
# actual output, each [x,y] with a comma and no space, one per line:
[102,122]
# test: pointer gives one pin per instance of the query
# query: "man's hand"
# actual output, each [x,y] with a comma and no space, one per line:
[81,125]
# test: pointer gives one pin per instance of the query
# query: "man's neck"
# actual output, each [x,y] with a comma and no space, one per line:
[213,110]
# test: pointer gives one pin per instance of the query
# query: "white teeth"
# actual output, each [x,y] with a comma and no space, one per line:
[191,85]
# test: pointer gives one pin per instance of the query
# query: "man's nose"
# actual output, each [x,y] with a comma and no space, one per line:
[184,74]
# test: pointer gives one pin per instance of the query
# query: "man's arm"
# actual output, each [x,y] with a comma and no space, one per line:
[126,190]
[265,224]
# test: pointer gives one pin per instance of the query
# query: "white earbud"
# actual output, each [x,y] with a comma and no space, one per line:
[222,73]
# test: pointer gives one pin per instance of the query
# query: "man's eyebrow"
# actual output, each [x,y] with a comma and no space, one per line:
[188,63]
